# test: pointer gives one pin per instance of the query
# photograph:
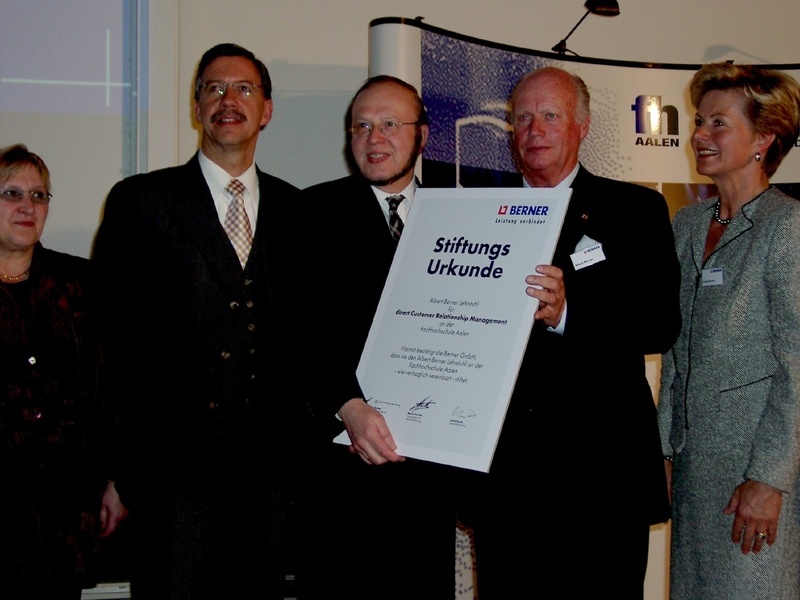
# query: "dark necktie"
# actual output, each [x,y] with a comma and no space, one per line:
[236,223]
[395,222]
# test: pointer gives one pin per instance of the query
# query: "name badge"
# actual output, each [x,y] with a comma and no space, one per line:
[588,256]
[712,277]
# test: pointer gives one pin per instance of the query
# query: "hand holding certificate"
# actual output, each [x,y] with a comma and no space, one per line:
[453,322]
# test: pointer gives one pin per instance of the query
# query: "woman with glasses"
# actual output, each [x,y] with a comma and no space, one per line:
[50,418]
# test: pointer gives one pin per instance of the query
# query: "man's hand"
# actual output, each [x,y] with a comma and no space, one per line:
[548,287]
[112,511]
[369,435]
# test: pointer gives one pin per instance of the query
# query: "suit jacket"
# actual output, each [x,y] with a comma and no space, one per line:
[739,343]
[582,412]
[194,343]
[358,262]
[401,503]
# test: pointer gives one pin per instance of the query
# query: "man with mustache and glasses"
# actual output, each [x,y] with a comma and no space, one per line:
[190,263]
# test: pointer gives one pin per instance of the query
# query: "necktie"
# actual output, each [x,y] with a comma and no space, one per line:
[236,224]
[395,222]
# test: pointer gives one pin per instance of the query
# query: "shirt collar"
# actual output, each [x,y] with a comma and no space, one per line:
[217,177]
[405,205]
[564,183]
[407,192]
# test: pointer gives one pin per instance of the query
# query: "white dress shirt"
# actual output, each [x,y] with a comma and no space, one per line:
[217,178]
[403,207]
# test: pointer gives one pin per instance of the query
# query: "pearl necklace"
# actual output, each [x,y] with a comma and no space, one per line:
[726,221]
[13,278]
[716,215]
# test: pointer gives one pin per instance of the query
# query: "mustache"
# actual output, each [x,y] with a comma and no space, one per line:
[224,114]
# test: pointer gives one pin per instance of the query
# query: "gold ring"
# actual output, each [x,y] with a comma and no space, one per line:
[761,535]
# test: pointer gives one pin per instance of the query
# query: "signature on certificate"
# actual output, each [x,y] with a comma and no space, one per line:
[463,413]
[378,403]
[427,402]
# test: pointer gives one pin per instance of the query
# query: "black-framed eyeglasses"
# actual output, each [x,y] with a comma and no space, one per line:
[387,128]
[16,195]
[243,89]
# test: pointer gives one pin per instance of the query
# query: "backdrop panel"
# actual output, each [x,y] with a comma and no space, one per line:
[642,116]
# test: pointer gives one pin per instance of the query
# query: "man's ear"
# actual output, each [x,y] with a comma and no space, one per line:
[266,116]
[425,132]
[585,127]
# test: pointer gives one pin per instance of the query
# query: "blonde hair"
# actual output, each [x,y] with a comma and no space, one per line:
[14,158]
[771,102]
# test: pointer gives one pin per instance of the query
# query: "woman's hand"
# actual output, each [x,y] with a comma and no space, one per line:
[757,507]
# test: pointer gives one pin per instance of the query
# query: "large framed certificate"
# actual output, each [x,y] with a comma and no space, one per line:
[452,324]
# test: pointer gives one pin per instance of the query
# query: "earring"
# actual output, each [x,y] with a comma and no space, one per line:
[758,156]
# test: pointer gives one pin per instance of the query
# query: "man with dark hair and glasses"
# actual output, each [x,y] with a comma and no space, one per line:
[191,262]
[386,527]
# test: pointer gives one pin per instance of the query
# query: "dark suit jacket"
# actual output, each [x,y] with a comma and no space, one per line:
[405,509]
[191,344]
[356,252]
[582,413]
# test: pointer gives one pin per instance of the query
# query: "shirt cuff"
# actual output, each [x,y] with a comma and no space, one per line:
[562,324]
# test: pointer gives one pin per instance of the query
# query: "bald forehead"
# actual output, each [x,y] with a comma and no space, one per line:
[386,95]
[544,78]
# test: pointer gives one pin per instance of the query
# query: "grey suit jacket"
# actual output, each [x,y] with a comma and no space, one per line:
[736,364]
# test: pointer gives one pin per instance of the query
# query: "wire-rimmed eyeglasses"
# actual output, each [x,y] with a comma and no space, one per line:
[16,195]
[387,128]
[243,89]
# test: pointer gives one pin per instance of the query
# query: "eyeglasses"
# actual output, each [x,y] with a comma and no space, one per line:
[388,128]
[15,195]
[243,89]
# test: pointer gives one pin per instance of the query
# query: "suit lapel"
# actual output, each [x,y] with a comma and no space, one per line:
[270,236]
[579,219]
[195,209]
[372,215]
[700,232]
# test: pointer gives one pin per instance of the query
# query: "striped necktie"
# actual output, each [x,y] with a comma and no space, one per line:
[395,222]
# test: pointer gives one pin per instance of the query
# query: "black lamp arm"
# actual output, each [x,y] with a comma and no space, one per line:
[561,47]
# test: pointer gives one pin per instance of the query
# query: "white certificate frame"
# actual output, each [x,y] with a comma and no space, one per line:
[447,340]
